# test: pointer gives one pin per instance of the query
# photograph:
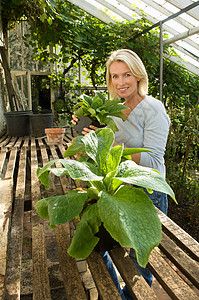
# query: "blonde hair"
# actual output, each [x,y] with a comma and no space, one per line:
[136,66]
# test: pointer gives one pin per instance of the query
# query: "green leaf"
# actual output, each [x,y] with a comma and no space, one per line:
[43,173]
[119,115]
[96,102]
[99,185]
[131,219]
[83,241]
[75,169]
[59,171]
[110,105]
[63,208]
[79,112]
[78,170]
[132,173]
[76,147]
[97,145]
[111,124]
[114,158]
[87,99]
[92,167]
[91,216]
[42,208]
[91,144]
[92,193]
[101,96]
[117,108]
[108,181]
[91,111]
[129,151]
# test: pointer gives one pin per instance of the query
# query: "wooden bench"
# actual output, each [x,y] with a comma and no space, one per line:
[34,263]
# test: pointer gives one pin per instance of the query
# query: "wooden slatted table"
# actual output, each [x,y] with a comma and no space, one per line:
[174,264]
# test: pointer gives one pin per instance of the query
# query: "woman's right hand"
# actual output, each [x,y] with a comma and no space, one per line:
[74,120]
[85,130]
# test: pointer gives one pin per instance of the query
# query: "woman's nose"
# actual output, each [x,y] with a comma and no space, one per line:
[121,80]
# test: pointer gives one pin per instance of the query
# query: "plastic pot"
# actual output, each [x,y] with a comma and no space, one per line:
[39,122]
[18,123]
[85,122]
[106,241]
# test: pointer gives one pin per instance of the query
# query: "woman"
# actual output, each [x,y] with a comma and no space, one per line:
[147,126]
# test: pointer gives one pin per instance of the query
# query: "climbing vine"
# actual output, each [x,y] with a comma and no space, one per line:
[79,38]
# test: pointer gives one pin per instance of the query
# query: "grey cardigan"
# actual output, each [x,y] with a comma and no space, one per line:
[147,127]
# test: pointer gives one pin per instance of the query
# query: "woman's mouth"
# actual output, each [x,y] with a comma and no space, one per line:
[123,89]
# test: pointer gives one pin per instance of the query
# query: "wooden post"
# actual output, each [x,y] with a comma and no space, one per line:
[11,92]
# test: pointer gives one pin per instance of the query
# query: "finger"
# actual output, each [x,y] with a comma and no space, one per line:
[75,118]
[93,127]
[86,130]
[73,122]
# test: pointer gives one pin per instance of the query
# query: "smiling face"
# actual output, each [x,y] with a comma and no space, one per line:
[123,81]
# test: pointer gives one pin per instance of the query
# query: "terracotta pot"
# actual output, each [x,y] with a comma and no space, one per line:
[55,135]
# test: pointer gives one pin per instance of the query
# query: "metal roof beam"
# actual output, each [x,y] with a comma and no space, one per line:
[184,64]
[182,3]
[92,10]
[194,4]
[181,36]
[186,52]
[166,12]
[169,29]
[98,13]
[115,9]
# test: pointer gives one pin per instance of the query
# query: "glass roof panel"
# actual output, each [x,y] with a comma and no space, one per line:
[155,11]
[190,19]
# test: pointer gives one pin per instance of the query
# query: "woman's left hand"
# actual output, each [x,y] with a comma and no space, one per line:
[87,130]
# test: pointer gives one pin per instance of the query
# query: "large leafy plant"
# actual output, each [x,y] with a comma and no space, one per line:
[126,212]
[101,109]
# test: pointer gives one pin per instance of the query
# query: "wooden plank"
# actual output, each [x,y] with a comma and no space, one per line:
[5,219]
[11,142]
[5,141]
[44,153]
[26,141]
[102,278]
[173,284]
[70,274]
[13,270]
[2,161]
[62,149]
[66,182]
[180,259]
[3,137]
[135,283]
[41,284]
[19,142]
[11,164]
[182,238]
[70,134]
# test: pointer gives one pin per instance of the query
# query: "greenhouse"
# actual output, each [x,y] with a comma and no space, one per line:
[130,69]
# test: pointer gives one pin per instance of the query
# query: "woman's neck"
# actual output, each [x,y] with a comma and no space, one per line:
[133,102]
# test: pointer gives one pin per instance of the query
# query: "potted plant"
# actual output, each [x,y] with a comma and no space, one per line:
[126,212]
[97,111]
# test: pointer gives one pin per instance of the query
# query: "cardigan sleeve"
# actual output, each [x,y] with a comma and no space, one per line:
[156,129]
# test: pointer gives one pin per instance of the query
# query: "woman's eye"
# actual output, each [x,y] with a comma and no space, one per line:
[114,76]
[128,74]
